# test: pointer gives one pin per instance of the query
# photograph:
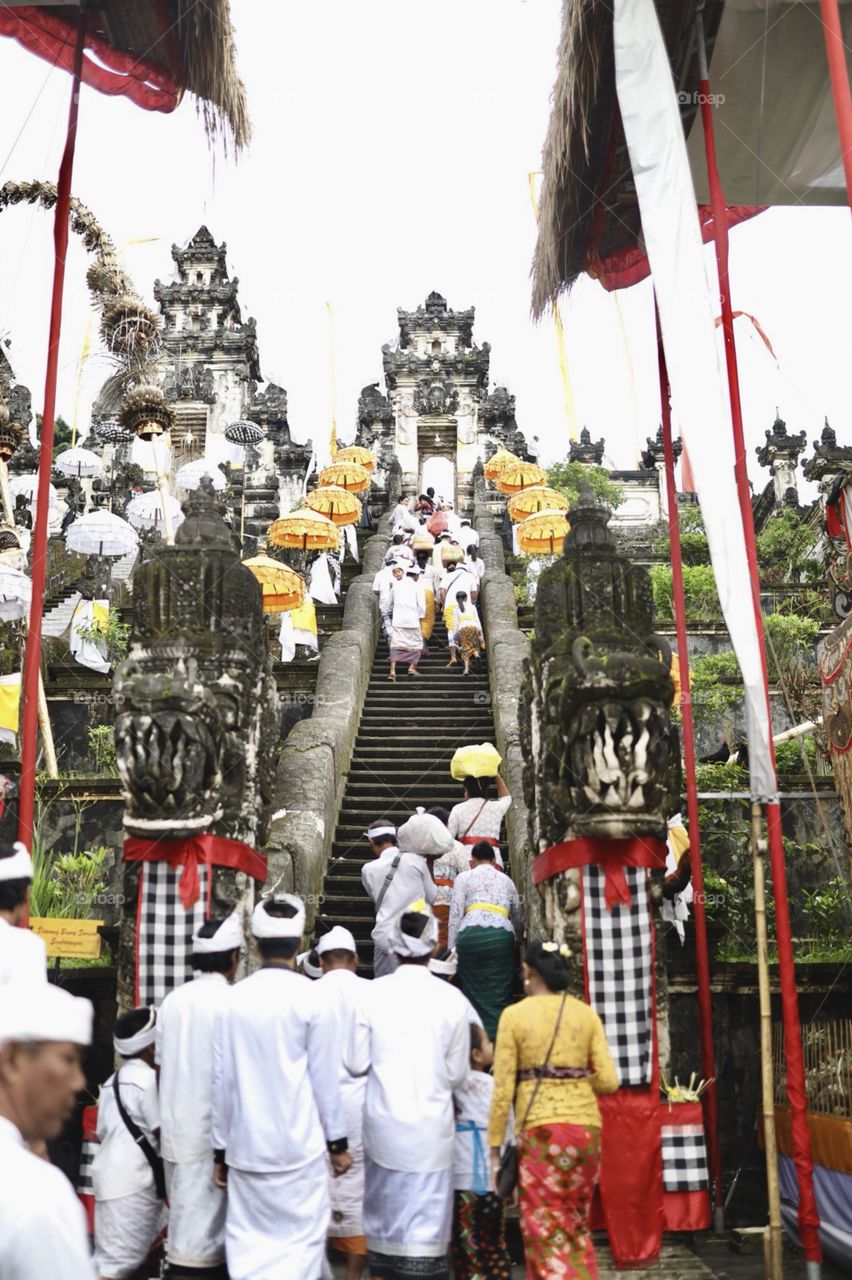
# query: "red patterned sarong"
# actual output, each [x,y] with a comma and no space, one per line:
[557,1171]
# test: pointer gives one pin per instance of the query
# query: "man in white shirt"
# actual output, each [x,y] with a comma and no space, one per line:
[411,1039]
[392,879]
[43,1031]
[22,953]
[467,535]
[400,515]
[276,1109]
[339,995]
[127,1174]
[196,1241]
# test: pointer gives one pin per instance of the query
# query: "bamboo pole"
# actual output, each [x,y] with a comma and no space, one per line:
[773,1238]
[5,495]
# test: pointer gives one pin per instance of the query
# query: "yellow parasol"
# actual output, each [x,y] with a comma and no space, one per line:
[338,504]
[539,498]
[520,475]
[282,587]
[348,475]
[543,534]
[355,453]
[495,464]
[305,530]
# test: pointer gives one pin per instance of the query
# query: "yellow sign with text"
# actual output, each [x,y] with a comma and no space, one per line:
[68,939]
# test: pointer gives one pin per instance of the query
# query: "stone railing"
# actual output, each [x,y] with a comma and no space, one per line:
[507,651]
[314,762]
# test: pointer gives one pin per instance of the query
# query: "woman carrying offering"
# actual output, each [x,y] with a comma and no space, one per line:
[468,630]
[551,1059]
[479,818]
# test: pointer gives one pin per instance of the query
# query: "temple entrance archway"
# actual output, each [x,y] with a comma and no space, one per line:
[440,473]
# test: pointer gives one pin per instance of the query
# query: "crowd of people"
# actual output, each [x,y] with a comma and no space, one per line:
[433,564]
[259,1126]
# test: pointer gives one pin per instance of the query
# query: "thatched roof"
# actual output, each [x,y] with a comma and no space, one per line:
[588,202]
[191,42]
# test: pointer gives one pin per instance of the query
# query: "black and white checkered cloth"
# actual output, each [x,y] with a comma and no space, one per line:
[684,1158]
[164,942]
[85,1186]
[619,966]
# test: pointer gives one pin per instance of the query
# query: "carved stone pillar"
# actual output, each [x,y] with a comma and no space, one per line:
[780,454]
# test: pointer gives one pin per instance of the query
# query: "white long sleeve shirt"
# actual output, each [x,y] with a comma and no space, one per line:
[22,955]
[409,603]
[276,1101]
[43,1232]
[185,1025]
[119,1167]
[411,881]
[411,1038]
[339,994]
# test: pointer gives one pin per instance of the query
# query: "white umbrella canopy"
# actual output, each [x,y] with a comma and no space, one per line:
[16,591]
[146,510]
[28,486]
[100,533]
[78,462]
[190,475]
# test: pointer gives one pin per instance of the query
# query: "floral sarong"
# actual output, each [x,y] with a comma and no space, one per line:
[479,1240]
[557,1170]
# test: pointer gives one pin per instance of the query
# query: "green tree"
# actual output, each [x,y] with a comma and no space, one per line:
[62,433]
[569,477]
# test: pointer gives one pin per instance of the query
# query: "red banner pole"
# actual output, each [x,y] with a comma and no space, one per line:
[835,50]
[32,659]
[808,1216]
[702,962]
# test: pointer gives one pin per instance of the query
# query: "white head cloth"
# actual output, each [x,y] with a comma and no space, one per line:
[128,1045]
[17,867]
[405,944]
[424,834]
[40,1011]
[337,939]
[447,968]
[380,829]
[228,937]
[263,925]
[310,970]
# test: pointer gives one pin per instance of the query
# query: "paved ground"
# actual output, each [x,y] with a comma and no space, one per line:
[706,1257]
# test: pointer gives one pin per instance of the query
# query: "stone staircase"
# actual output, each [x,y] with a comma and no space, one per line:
[406,738]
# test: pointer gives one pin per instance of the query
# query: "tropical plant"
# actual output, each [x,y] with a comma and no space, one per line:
[569,478]
[113,634]
[783,547]
[699,589]
[69,884]
[102,749]
[828,910]
[716,687]
[694,549]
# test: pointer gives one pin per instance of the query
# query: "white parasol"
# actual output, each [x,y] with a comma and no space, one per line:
[146,510]
[15,594]
[78,462]
[28,486]
[191,474]
[101,533]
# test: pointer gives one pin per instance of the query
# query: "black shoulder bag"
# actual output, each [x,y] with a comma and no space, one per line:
[142,1143]
[507,1175]
[387,882]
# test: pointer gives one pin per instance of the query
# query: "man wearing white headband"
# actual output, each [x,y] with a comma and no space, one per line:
[412,1042]
[22,953]
[276,1109]
[43,1032]
[392,879]
[339,994]
[196,1242]
[127,1172]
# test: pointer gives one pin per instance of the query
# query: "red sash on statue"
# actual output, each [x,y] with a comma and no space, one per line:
[215,851]
[612,855]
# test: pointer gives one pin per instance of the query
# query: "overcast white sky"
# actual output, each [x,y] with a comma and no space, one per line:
[392,144]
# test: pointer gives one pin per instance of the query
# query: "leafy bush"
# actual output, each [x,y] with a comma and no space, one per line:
[699,589]
[114,633]
[569,477]
[828,909]
[790,756]
[693,540]
[716,688]
[66,884]
[783,545]
[102,749]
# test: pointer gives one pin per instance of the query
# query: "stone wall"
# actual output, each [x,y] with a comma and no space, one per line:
[314,762]
[507,651]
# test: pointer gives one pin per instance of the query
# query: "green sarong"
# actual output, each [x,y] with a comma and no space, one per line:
[486,971]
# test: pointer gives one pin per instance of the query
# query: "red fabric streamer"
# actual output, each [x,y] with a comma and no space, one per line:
[115,72]
[631,1182]
[216,851]
[621,268]
[612,855]
[735,315]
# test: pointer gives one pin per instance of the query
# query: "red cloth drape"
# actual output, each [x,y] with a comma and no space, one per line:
[612,855]
[109,70]
[216,851]
[631,1181]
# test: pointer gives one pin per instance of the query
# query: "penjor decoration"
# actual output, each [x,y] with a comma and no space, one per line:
[196,700]
[602,774]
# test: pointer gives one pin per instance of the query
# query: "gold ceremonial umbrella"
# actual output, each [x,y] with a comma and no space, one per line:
[348,475]
[304,530]
[282,587]
[539,498]
[356,453]
[520,475]
[495,464]
[338,504]
[543,534]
